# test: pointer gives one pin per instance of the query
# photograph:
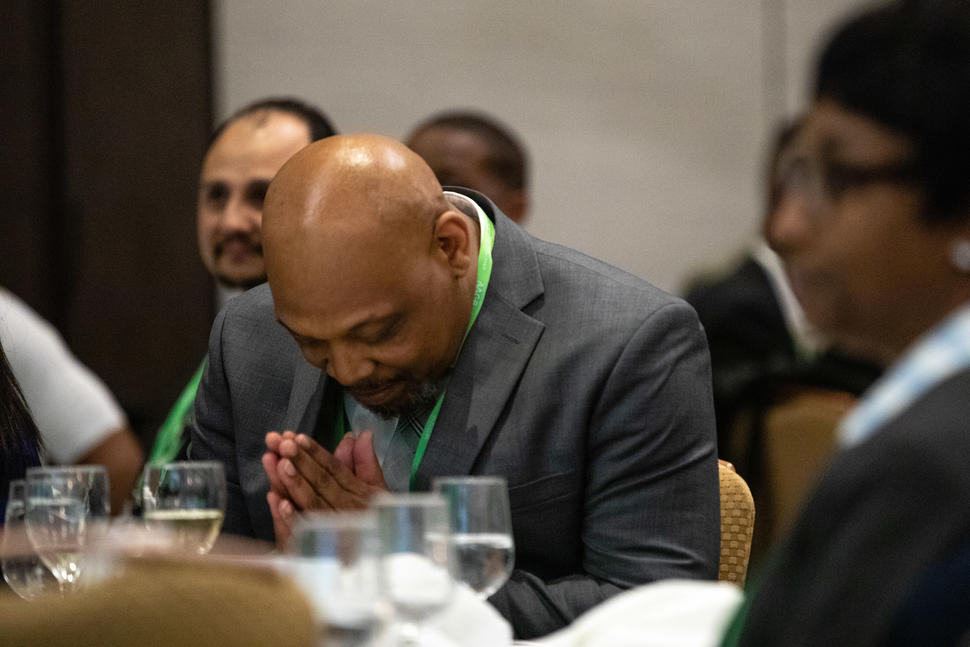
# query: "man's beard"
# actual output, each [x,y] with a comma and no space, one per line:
[418,396]
[254,246]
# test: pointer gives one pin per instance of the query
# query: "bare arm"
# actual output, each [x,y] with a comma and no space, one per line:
[122,456]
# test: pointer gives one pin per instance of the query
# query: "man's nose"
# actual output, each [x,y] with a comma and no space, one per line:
[238,216]
[346,364]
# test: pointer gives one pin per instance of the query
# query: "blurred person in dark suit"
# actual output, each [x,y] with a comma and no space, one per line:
[245,151]
[470,149]
[878,255]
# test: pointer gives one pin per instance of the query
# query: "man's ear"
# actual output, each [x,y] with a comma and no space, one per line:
[455,236]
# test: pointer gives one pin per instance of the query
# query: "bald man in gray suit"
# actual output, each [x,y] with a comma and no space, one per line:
[484,351]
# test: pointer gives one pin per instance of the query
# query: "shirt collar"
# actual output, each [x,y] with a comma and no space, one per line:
[808,343]
[938,355]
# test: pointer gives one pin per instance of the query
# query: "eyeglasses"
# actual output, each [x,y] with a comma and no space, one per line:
[825,181]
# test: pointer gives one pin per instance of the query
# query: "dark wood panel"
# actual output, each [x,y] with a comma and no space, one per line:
[124,98]
[26,152]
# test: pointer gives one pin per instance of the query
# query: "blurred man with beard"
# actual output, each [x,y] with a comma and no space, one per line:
[245,152]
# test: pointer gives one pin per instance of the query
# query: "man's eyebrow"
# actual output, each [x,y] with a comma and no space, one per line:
[208,185]
[355,329]
[381,320]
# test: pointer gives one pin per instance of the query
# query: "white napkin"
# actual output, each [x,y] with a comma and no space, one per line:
[670,613]
[465,622]
[470,622]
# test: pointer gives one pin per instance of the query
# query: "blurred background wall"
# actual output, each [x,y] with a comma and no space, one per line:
[645,120]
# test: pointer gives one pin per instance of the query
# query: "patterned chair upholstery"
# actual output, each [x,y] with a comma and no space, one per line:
[737,525]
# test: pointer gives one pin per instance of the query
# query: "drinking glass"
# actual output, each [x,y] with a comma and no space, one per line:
[414,573]
[23,570]
[481,528]
[67,513]
[335,562]
[185,503]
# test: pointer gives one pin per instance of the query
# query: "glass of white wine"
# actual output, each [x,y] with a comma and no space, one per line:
[334,558]
[23,569]
[67,512]
[481,530]
[184,503]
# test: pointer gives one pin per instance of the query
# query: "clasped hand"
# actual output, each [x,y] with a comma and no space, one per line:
[304,476]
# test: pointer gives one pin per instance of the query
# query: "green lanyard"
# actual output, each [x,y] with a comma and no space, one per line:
[171,435]
[481,284]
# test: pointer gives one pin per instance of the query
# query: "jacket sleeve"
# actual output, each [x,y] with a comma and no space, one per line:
[212,431]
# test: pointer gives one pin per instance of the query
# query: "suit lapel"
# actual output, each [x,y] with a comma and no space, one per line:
[306,396]
[494,356]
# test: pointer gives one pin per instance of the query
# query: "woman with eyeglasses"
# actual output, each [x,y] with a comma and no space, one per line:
[877,247]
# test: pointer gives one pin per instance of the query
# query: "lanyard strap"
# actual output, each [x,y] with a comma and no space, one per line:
[481,285]
[171,435]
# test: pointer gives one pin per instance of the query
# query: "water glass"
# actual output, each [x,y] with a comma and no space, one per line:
[23,570]
[335,561]
[415,558]
[481,527]
[67,514]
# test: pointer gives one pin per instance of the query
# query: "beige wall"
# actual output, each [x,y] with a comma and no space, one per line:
[645,119]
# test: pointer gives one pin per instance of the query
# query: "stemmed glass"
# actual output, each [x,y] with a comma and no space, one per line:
[67,513]
[336,562]
[481,539]
[22,569]
[415,562]
[185,503]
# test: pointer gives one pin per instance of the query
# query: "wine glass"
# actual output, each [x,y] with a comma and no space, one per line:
[67,513]
[481,538]
[414,573]
[336,561]
[185,503]
[23,570]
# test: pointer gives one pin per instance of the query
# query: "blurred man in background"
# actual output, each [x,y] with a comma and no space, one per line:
[245,152]
[474,151]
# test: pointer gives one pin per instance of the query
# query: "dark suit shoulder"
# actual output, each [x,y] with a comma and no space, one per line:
[254,305]
[742,306]
[934,429]
[252,337]
[571,273]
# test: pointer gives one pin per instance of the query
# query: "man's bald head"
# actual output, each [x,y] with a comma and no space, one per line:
[362,178]
[371,268]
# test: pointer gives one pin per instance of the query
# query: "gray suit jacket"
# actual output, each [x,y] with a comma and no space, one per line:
[586,387]
[883,513]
